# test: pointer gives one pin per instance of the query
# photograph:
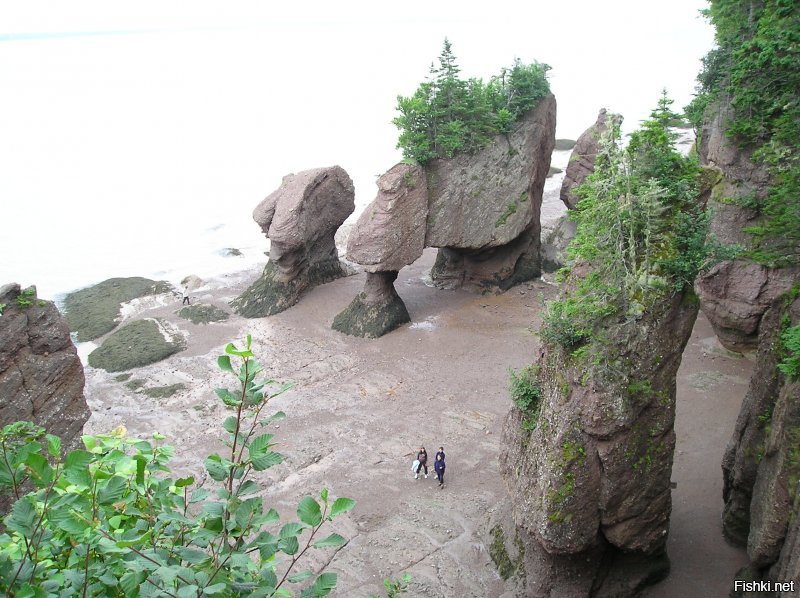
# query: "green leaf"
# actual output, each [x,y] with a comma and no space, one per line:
[181,482]
[197,495]
[136,541]
[289,545]
[131,581]
[217,588]
[332,541]
[191,555]
[309,511]
[230,424]
[341,505]
[266,461]
[259,445]
[298,577]
[53,445]
[324,495]
[249,487]
[272,418]
[324,584]
[141,464]
[227,397]
[67,519]
[76,468]
[23,514]
[188,591]
[112,490]
[224,363]
[291,530]
[217,468]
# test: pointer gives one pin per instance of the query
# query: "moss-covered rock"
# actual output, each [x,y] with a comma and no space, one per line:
[138,344]
[163,392]
[203,314]
[271,294]
[93,311]
[372,321]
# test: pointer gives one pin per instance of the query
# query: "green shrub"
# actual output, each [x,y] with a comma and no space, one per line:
[111,520]
[526,394]
[790,342]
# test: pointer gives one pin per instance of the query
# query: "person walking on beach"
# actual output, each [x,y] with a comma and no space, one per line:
[185,295]
[439,466]
[422,457]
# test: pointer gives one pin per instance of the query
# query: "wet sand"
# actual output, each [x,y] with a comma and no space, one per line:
[361,408]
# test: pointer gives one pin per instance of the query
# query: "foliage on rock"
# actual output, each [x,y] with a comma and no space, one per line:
[755,67]
[111,520]
[448,115]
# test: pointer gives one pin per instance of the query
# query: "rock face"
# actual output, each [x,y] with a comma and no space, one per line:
[590,484]
[300,219]
[581,162]
[555,242]
[41,378]
[761,465]
[481,210]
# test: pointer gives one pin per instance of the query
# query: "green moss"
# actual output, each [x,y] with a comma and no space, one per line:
[506,565]
[511,208]
[163,392]
[135,384]
[92,312]
[135,345]
[122,377]
[203,314]
[372,321]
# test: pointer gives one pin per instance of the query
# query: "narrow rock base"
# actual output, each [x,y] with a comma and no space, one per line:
[271,294]
[376,311]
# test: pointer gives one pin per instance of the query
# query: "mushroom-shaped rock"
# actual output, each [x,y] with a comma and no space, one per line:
[581,161]
[390,233]
[300,219]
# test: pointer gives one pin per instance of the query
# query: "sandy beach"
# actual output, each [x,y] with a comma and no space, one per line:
[361,407]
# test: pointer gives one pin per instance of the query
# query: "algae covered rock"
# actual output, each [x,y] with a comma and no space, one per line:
[95,310]
[300,219]
[374,312]
[203,314]
[137,344]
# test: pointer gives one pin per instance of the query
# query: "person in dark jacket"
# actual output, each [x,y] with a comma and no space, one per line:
[439,466]
[422,457]
[441,452]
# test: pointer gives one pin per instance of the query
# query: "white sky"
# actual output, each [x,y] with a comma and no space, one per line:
[208,104]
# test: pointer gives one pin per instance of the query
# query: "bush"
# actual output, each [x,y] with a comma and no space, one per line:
[790,364]
[526,394]
[111,520]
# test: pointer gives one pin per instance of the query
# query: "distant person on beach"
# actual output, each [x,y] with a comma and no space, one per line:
[185,295]
[422,457]
[440,452]
[439,466]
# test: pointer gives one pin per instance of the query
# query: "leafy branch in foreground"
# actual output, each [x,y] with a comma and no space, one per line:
[110,521]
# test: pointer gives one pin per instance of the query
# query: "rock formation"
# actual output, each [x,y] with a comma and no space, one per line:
[300,219]
[581,161]
[41,378]
[481,210]
[590,484]
[761,466]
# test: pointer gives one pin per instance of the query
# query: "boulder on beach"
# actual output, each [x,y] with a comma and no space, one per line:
[375,311]
[203,314]
[95,310]
[137,344]
[300,219]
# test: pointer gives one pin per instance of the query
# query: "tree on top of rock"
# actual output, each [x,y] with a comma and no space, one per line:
[448,115]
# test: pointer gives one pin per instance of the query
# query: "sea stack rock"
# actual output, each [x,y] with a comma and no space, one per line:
[484,209]
[589,476]
[734,295]
[41,377]
[581,161]
[388,235]
[300,219]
